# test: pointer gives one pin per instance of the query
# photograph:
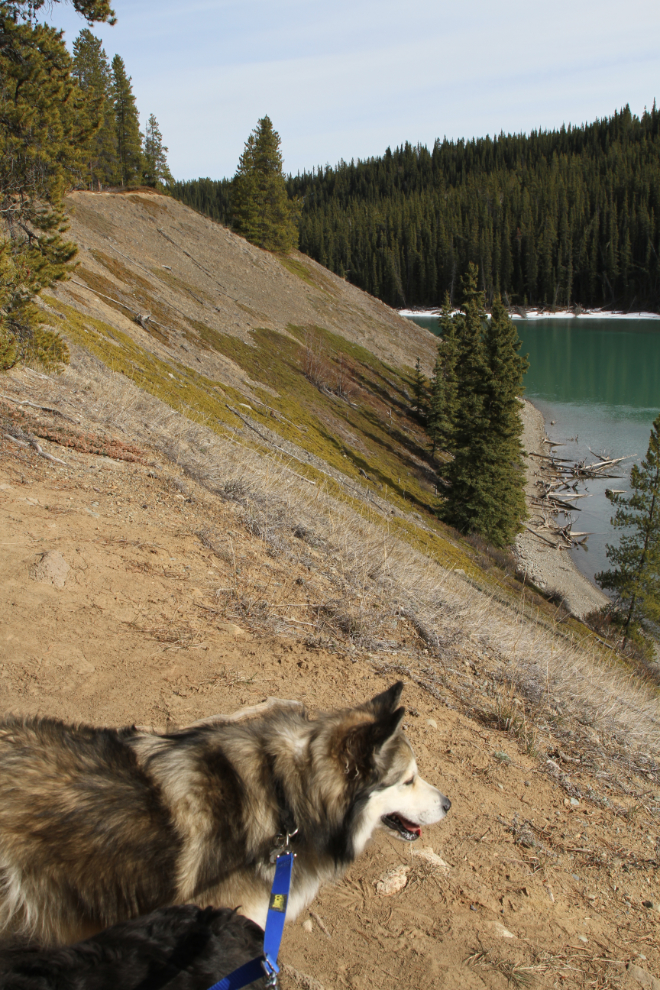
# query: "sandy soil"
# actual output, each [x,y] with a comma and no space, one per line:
[549,568]
[114,610]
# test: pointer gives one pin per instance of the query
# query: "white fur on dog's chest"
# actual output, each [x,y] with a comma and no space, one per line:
[301,896]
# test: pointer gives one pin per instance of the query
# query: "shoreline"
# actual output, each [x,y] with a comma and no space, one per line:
[534,313]
[550,569]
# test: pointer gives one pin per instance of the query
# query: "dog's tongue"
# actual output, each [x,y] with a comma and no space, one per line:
[415,829]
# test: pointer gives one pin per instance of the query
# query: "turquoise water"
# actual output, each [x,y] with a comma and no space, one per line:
[599,380]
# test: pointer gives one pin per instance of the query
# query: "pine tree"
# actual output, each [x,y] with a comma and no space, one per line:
[469,503]
[503,469]
[91,10]
[91,69]
[156,169]
[129,143]
[635,579]
[448,357]
[262,211]
[43,129]
[420,391]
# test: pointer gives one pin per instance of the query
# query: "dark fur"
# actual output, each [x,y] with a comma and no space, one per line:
[177,948]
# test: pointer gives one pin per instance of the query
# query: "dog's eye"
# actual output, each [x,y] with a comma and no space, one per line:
[407,783]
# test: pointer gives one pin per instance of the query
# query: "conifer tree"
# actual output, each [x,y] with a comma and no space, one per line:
[262,211]
[635,579]
[469,503]
[43,129]
[129,143]
[91,10]
[420,391]
[91,69]
[448,357]
[503,468]
[156,169]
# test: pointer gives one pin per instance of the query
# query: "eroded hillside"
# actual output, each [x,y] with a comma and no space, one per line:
[218,519]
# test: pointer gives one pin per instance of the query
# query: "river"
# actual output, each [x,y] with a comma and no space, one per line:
[597,383]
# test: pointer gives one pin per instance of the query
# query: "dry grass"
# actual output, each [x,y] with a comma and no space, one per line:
[526,669]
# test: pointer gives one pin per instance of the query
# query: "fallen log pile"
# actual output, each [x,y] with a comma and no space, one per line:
[557,492]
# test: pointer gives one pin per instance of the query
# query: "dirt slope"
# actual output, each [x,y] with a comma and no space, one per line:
[128,594]
[197,270]
[230,500]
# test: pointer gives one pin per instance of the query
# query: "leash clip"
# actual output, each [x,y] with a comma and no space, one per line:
[271,969]
[282,846]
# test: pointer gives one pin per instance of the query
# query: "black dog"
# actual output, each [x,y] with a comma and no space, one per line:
[176,948]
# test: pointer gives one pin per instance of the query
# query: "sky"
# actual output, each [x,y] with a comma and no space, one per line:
[348,79]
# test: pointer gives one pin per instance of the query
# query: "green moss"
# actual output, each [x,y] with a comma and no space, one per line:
[297,268]
[183,389]
[277,358]
[121,272]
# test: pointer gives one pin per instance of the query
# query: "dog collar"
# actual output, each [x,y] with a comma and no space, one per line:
[267,962]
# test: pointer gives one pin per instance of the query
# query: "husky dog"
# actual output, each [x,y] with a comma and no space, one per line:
[100,825]
[181,948]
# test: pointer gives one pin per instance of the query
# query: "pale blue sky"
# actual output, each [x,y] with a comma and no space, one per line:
[348,78]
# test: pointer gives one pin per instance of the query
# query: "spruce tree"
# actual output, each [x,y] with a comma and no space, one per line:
[262,211]
[91,10]
[447,357]
[91,69]
[129,143]
[504,471]
[43,130]
[635,579]
[156,169]
[469,503]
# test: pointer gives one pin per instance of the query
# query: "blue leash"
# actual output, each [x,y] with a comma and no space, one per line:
[267,962]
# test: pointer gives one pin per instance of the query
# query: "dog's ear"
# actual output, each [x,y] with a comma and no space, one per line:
[362,743]
[386,701]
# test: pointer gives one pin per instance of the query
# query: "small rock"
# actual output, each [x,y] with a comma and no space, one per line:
[583,938]
[431,857]
[393,881]
[432,722]
[232,629]
[650,904]
[51,568]
[308,926]
[499,930]
[574,802]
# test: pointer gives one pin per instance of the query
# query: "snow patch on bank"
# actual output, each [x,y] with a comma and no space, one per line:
[560,314]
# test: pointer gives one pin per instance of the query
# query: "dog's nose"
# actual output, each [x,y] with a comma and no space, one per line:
[446,804]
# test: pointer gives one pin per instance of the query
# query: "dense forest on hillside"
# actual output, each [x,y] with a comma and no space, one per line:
[552,218]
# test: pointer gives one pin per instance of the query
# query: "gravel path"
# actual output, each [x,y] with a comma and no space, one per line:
[548,568]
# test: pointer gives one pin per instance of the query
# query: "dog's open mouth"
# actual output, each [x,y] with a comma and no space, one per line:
[406,829]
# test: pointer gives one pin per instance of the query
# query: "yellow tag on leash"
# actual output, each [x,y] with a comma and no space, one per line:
[278,902]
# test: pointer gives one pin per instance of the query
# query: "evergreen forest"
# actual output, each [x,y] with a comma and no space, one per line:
[554,218]
[65,122]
